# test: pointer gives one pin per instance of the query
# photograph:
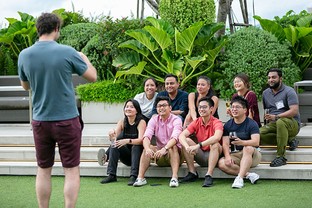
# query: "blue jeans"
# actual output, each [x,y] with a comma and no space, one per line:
[279,133]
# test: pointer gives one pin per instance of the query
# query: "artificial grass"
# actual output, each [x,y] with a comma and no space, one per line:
[19,191]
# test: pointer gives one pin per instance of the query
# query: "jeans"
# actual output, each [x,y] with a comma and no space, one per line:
[279,133]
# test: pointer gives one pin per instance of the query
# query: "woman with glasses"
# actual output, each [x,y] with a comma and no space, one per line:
[203,89]
[242,86]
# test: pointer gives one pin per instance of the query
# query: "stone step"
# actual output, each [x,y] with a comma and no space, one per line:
[97,134]
[90,154]
[289,171]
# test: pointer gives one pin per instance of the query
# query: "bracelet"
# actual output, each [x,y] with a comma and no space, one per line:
[130,141]
[200,144]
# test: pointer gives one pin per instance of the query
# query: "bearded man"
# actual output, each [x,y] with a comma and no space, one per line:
[282,117]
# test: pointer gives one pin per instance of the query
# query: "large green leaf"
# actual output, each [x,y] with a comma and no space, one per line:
[291,35]
[136,46]
[303,31]
[207,32]
[143,37]
[306,43]
[272,27]
[162,25]
[195,61]
[133,70]
[126,60]
[185,40]
[304,21]
[161,37]
[171,63]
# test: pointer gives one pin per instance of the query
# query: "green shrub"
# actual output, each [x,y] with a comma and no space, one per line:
[103,47]
[254,51]
[108,91]
[291,18]
[78,35]
[183,13]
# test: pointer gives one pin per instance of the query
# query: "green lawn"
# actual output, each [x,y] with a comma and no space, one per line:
[19,191]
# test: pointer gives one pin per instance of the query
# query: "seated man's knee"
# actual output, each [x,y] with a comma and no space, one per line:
[248,150]
[215,147]
[221,163]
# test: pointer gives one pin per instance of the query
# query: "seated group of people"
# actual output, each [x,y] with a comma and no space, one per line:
[172,126]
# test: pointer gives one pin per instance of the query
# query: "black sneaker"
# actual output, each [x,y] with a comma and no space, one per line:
[293,144]
[190,177]
[279,161]
[208,181]
[109,179]
[131,180]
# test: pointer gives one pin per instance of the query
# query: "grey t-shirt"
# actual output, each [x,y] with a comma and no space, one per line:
[280,102]
[48,67]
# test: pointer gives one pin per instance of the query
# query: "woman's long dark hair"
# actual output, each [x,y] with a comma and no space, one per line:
[138,116]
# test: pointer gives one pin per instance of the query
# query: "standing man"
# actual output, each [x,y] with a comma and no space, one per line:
[246,140]
[46,69]
[206,152]
[178,98]
[166,127]
[283,119]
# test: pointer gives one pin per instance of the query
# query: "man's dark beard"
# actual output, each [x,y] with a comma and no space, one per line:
[275,86]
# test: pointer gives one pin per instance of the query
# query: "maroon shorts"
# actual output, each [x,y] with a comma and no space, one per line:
[67,134]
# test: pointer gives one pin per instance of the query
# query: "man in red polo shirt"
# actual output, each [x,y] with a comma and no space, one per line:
[208,131]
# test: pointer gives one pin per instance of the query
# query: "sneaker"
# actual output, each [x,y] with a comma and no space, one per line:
[140,182]
[253,177]
[293,144]
[109,179]
[208,181]
[174,182]
[131,181]
[190,177]
[279,161]
[238,182]
[102,157]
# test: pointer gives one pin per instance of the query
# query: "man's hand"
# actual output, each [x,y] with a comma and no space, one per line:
[192,149]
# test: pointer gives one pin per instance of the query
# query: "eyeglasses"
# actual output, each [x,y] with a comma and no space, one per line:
[162,105]
[203,107]
[236,107]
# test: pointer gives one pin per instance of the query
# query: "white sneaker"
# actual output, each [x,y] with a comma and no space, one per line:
[174,182]
[253,177]
[238,182]
[140,182]
[102,157]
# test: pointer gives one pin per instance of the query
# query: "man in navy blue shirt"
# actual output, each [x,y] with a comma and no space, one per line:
[178,98]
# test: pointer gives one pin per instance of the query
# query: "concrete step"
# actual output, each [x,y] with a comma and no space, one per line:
[289,171]
[97,134]
[300,155]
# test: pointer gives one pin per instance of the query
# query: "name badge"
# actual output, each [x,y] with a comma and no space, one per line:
[279,104]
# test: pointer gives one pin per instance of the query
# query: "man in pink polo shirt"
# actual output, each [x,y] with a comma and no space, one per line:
[208,131]
[166,128]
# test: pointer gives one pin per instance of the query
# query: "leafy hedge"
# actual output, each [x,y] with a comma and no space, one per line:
[108,91]
[254,51]
[183,13]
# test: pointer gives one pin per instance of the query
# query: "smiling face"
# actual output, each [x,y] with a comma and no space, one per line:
[238,110]
[204,109]
[163,108]
[202,86]
[150,88]
[130,110]
[171,85]
[274,81]
[239,84]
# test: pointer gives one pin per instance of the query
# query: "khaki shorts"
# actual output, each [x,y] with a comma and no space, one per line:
[164,161]
[256,157]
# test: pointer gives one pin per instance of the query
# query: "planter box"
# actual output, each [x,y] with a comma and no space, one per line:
[96,112]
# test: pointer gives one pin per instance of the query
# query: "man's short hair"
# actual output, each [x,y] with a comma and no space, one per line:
[277,70]
[160,98]
[208,100]
[171,75]
[47,23]
[240,100]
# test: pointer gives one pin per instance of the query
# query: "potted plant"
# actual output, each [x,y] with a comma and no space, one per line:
[102,102]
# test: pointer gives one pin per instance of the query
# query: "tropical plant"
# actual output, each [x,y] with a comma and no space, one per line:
[299,37]
[183,13]
[160,49]
[290,18]
[254,51]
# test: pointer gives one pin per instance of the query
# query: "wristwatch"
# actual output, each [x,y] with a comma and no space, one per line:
[166,148]
[277,117]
